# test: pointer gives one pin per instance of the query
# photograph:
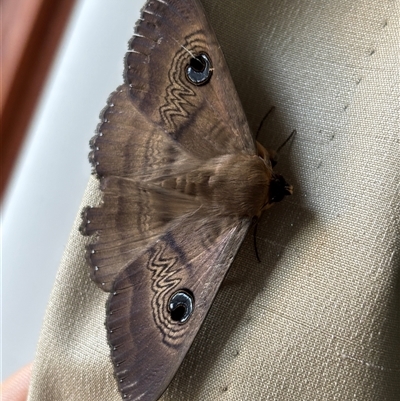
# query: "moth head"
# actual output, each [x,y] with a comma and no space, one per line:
[278,186]
[278,189]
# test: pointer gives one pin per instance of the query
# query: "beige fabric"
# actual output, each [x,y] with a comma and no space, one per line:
[318,319]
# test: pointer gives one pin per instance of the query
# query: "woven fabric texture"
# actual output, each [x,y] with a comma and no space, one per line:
[318,318]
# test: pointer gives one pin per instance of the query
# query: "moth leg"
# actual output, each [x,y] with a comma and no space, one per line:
[263,120]
[292,134]
[255,222]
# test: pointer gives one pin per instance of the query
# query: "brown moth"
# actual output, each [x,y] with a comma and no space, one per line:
[181,179]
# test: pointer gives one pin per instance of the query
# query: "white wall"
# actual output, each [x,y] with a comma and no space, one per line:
[43,197]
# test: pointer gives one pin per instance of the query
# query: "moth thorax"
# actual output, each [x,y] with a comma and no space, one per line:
[241,185]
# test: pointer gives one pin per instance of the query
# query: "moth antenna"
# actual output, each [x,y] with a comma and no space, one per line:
[294,132]
[274,154]
[255,240]
[263,119]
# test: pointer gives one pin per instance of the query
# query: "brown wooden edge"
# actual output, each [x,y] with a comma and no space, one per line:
[31,30]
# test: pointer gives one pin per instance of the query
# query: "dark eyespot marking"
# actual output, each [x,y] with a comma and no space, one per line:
[181,306]
[199,69]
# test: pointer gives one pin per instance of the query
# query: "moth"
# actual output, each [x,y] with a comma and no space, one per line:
[182,179]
